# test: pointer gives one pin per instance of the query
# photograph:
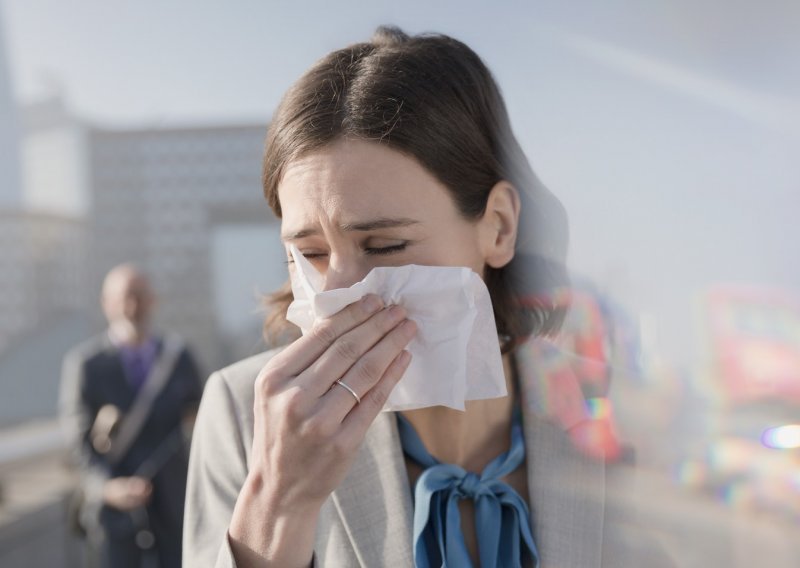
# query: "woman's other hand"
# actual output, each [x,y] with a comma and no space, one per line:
[308,428]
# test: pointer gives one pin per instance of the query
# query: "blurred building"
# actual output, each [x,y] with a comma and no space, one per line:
[42,270]
[43,299]
[45,232]
[55,153]
[157,196]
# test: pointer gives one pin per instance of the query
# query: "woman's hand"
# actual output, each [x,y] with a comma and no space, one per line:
[308,428]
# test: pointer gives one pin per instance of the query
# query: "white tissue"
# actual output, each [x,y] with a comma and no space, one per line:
[455,354]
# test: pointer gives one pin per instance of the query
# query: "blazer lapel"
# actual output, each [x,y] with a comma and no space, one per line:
[374,501]
[566,494]
[567,488]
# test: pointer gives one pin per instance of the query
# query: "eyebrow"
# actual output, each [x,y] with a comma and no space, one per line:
[371,225]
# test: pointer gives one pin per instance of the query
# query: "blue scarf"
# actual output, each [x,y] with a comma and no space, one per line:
[502,519]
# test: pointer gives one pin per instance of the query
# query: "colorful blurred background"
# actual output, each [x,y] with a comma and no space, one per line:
[133,131]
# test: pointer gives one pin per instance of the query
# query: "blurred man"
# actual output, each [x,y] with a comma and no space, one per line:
[127,397]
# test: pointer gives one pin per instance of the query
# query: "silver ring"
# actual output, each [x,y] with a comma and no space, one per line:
[351,391]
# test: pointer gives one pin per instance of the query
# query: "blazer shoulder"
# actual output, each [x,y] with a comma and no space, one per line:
[88,349]
[240,377]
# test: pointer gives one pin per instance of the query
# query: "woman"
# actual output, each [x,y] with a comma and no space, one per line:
[392,152]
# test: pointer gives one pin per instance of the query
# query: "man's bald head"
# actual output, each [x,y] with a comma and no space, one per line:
[127,300]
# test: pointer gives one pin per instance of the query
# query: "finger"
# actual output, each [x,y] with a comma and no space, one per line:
[365,374]
[349,349]
[304,351]
[356,423]
[367,371]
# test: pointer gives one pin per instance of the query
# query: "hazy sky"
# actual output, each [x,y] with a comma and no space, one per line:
[671,133]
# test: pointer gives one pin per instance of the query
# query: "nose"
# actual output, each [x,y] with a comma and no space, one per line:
[343,274]
[131,305]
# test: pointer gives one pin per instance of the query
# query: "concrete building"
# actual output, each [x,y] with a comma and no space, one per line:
[55,159]
[43,299]
[157,198]
[42,270]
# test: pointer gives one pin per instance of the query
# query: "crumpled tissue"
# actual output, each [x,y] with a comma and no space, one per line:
[455,354]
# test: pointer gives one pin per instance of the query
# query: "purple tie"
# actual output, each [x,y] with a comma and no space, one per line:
[137,362]
[137,368]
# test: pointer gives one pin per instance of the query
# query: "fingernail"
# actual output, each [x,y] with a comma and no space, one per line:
[404,358]
[409,328]
[372,303]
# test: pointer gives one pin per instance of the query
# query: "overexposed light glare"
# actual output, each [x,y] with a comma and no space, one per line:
[783,437]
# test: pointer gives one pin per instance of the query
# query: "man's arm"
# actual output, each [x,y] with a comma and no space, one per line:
[76,419]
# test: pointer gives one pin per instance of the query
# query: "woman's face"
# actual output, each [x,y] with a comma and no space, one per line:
[355,205]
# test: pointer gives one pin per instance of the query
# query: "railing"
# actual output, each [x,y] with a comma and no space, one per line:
[35,487]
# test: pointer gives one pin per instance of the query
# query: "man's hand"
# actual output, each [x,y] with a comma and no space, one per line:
[127,493]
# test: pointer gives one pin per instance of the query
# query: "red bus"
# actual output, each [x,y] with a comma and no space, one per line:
[755,343]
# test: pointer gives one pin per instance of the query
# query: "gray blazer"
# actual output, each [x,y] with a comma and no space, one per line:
[367,521]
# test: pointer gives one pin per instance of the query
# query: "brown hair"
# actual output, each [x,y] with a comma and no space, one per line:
[432,98]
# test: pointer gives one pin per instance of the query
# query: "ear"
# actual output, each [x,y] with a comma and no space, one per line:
[499,224]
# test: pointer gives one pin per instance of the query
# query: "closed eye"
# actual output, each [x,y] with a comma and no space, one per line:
[371,251]
[386,250]
[308,255]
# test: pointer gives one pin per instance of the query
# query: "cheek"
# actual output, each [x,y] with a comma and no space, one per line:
[453,248]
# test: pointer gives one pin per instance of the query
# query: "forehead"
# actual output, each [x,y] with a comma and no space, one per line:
[351,179]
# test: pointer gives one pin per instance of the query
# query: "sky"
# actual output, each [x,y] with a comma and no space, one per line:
[670,131]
